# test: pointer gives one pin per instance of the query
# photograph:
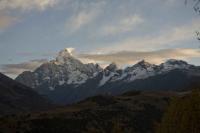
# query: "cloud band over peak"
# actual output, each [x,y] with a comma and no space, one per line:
[131,57]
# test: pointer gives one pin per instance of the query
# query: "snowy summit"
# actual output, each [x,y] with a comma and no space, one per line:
[65,54]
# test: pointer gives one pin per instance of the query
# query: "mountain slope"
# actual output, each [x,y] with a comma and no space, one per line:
[132,112]
[15,97]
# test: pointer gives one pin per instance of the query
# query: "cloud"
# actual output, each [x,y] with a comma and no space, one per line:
[26,5]
[32,54]
[170,1]
[15,69]
[81,19]
[131,57]
[162,40]
[123,25]
[85,15]
[6,21]
[6,6]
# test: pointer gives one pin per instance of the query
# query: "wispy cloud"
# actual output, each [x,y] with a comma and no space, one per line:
[26,5]
[131,57]
[6,21]
[162,40]
[15,69]
[80,20]
[123,25]
[29,54]
[9,6]
[85,15]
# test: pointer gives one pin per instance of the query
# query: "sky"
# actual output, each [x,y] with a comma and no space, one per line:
[99,31]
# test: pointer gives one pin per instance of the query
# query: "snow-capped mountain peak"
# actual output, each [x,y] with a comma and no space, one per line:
[174,64]
[65,54]
[140,70]
[64,70]
[112,67]
[143,64]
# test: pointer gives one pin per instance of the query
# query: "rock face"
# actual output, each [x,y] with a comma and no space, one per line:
[66,79]
[15,97]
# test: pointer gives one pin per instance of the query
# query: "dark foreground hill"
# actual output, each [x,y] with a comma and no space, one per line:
[15,97]
[132,112]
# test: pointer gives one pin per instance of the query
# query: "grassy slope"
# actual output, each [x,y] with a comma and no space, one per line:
[133,112]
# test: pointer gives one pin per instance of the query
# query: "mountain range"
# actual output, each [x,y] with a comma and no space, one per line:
[66,79]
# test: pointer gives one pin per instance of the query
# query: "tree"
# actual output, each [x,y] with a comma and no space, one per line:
[196,7]
[183,115]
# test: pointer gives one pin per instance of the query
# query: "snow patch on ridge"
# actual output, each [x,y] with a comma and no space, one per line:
[62,82]
[51,88]
[76,77]
[105,79]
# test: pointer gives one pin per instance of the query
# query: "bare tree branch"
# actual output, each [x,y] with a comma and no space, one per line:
[196,8]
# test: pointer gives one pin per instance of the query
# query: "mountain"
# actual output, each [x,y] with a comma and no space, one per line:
[64,70]
[171,75]
[67,80]
[15,97]
[132,112]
